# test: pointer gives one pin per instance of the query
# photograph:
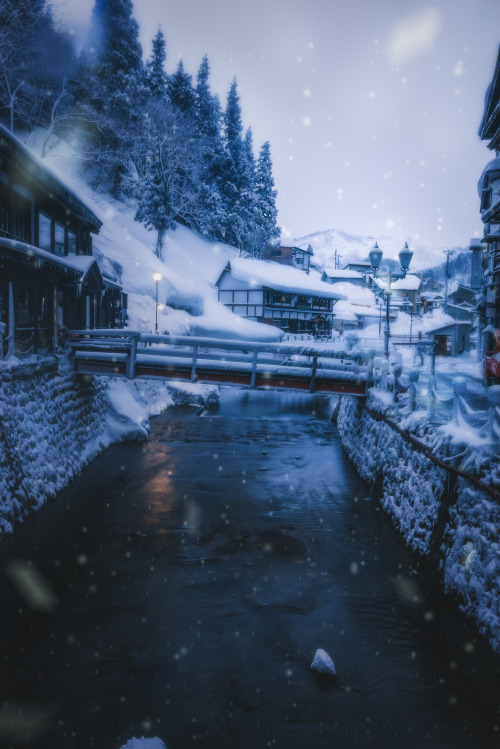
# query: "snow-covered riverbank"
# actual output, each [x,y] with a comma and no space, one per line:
[52,423]
[458,522]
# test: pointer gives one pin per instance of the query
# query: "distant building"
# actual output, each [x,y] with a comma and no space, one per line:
[336,275]
[461,304]
[451,339]
[283,297]
[358,267]
[430,284]
[404,291]
[296,257]
[49,280]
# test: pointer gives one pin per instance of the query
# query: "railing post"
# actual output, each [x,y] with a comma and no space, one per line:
[132,355]
[413,377]
[313,374]
[254,368]
[195,360]
[459,389]
[398,370]
[493,426]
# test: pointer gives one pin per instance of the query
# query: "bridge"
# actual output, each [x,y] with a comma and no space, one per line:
[281,366]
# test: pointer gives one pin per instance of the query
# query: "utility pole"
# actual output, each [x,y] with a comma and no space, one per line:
[447,275]
[337,259]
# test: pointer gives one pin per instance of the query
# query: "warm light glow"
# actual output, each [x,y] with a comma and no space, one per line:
[157,277]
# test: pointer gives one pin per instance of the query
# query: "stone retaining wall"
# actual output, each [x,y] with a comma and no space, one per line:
[450,520]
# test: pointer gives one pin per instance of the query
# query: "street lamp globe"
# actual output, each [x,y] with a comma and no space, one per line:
[405,257]
[375,257]
[157,277]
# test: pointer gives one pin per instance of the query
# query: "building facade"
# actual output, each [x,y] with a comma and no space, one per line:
[489,194]
[296,257]
[49,280]
[283,297]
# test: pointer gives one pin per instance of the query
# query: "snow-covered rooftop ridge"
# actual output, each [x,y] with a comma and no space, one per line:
[344,273]
[80,263]
[409,283]
[60,181]
[280,277]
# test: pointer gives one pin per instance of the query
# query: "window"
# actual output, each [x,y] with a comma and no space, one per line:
[59,239]
[485,200]
[71,243]
[44,231]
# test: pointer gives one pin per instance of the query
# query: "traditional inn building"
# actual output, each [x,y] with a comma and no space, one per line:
[294,256]
[489,193]
[49,280]
[281,296]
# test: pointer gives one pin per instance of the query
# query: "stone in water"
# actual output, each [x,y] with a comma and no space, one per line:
[322,663]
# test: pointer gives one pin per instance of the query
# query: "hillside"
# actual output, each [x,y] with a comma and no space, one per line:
[190,267]
[356,248]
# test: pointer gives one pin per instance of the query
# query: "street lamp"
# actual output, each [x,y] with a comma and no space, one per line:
[156,277]
[405,257]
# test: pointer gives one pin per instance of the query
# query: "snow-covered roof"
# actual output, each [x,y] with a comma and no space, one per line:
[79,263]
[343,274]
[432,296]
[409,283]
[354,294]
[46,178]
[259,273]
[352,312]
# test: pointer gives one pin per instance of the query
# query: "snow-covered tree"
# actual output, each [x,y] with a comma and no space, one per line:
[167,189]
[111,94]
[156,76]
[266,212]
[34,63]
[180,91]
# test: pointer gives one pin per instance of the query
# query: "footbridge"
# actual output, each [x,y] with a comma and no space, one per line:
[282,366]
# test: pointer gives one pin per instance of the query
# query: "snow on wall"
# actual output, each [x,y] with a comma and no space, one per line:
[414,492]
[52,423]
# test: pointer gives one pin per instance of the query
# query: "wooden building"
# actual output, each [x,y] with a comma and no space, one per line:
[283,297]
[489,193]
[296,257]
[49,281]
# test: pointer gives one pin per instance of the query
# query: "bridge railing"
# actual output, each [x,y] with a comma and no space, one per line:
[202,359]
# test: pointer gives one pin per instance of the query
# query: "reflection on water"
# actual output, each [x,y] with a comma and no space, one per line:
[196,575]
[271,404]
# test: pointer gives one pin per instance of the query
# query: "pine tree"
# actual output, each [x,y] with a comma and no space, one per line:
[180,91]
[156,76]
[267,213]
[112,95]
[209,219]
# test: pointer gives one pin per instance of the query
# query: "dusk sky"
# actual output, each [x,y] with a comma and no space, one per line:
[372,108]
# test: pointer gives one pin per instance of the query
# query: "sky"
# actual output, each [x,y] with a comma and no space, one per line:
[371,107]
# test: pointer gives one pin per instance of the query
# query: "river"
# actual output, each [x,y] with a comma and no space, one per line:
[180,587]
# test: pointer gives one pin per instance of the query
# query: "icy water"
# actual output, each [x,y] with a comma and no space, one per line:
[180,587]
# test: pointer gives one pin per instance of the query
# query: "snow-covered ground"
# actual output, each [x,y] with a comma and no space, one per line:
[189,268]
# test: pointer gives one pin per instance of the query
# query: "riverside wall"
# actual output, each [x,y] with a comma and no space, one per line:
[53,422]
[442,517]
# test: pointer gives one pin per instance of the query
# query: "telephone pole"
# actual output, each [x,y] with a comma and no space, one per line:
[448,253]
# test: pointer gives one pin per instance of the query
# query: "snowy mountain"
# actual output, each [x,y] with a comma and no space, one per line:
[356,248]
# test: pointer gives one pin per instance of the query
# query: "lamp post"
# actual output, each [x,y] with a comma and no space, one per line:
[156,277]
[405,257]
